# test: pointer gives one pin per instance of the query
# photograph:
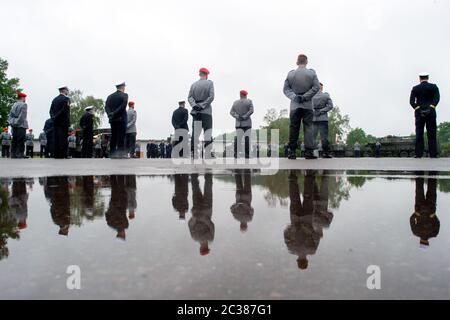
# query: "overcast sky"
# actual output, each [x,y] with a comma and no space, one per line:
[367,53]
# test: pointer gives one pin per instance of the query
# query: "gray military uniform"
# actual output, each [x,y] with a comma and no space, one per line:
[322,104]
[29,138]
[43,139]
[72,140]
[202,95]
[18,115]
[131,121]
[301,81]
[241,110]
[6,138]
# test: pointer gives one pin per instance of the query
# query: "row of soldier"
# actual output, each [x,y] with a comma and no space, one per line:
[309,107]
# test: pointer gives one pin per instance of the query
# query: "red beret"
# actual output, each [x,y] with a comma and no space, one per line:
[22,225]
[243,93]
[204,70]
[131,103]
[21,95]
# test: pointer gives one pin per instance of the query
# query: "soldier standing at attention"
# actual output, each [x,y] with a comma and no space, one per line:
[424,99]
[87,125]
[30,143]
[60,113]
[116,109]
[19,124]
[180,119]
[49,132]
[300,87]
[98,146]
[131,129]
[242,110]
[357,148]
[322,104]
[43,144]
[201,95]
[6,143]
[72,142]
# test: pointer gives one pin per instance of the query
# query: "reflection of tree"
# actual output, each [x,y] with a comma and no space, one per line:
[8,223]
[444,185]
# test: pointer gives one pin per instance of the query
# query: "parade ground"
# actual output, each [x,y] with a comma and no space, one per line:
[77,167]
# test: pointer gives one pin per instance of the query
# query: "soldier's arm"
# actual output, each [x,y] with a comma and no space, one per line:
[288,92]
[250,111]
[132,121]
[436,97]
[313,91]
[412,99]
[329,106]
[233,113]
[191,99]
[210,98]
[23,113]
[185,116]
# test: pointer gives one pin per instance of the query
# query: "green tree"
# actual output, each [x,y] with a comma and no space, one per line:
[8,92]
[443,135]
[77,104]
[338,124]
[360,135]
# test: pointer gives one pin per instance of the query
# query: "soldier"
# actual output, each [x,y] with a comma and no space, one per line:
[242,210]
[49,132]
[242,110]
[201,227]
[180,200]
[87,125]
[72,144]
[162,149]
[60,113]
[322,104]
[357,149]
[300,87]
[43,144]
[201,95]
[424,222]
[18,203]
[30,143]
[378,149]
[98,146]
[116,109]
[180,119]
[131,129]
[6,143]
[424,99]
[56,190]
[19,124]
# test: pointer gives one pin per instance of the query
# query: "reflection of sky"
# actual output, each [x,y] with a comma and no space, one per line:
[160,260]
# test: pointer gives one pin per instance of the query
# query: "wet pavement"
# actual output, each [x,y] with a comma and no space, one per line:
[235,235]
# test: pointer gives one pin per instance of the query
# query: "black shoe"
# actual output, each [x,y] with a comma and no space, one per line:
[310,157]
[292,156]
[417,157]
[327,156]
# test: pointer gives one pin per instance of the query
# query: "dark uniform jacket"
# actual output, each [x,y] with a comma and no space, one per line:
[116,107]
[60,111]
[87,123]
[424,95]
[180,118]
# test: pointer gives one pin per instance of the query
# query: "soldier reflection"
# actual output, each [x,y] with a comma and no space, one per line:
[200,225]
[180,200]
[116,215]
[88,196]
[130,182]
[242,210]
[303,235]
[56,190]
[424,222]
[18,203]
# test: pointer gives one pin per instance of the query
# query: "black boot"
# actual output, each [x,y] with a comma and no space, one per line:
[310,156]
[292,155]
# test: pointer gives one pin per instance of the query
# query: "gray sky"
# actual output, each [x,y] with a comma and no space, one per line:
[367,53]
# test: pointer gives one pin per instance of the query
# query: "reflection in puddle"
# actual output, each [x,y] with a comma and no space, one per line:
[240,224]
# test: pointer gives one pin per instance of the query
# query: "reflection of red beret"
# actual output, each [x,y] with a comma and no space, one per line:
[204,70]
[21,95]
[131,103]
[22,225]
[204,251]
[244,93]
